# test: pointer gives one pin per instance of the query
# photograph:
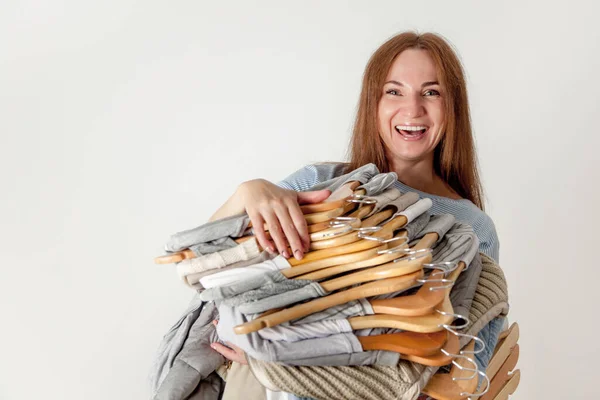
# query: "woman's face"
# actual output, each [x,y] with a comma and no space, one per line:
[411,109]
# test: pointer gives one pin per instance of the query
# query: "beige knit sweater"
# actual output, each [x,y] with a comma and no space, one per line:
[404,381]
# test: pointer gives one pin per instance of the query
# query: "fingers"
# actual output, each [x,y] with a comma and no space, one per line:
[272,220]
[259,231]
[231,351]
[299,222]
[316,196]
[290,228]
[228,353]
[278,210]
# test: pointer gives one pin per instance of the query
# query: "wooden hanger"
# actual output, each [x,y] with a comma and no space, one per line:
[510,387]
[503,375]
[350,210]
[424,324]
[370,289]
[188,254]
[421,303]
[503,350]
[349,257]
[442,386]
[394,318]
[324,242]
[386,232]
[406,343]
[384,271]
[369,262]
[452,346]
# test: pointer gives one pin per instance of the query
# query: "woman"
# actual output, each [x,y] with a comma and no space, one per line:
[412,119]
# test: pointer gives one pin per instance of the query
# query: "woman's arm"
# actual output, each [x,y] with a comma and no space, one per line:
[278,208]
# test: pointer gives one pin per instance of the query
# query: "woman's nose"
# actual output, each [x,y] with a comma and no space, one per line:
[413,107]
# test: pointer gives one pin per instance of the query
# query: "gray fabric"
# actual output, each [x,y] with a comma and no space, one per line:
[184,357]
[267,290]
[223,292]
[310,291]
[210,388]
[213,246]
[417,225]
[484,315]
[302,328]
[397,204]
[266,286]
[439,224]
[261,349]
[456,243]
[312,330]
[459,244]
[232,277]
[378,357]
[415,210]
[351,308]
[464,288]
[379,183]
[214,234]
[384,199]
[193,279]
[362,174]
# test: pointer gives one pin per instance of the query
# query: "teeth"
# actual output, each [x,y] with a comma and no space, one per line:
[410,128]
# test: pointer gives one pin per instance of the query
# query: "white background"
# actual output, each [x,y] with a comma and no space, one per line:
[125,121]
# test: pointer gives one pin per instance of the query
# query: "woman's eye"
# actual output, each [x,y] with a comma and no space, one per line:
[393,92]
[432,93]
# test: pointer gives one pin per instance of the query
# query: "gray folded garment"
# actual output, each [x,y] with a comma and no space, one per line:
[274,283]
[313,290]
[456,246]
[323,338]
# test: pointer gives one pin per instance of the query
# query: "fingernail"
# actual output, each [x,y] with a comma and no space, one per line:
[285,254]
[298,255]
[271,249]
[212,345]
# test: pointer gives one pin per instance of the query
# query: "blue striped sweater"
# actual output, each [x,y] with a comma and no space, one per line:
[463,210]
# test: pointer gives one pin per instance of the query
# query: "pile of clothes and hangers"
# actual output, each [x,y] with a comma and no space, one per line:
[390,302]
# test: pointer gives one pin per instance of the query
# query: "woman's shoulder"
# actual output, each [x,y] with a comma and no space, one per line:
[311,174]
[485,229]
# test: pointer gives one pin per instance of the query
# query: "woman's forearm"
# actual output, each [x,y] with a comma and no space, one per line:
[234,205]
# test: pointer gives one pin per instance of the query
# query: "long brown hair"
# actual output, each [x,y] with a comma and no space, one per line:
[455,160]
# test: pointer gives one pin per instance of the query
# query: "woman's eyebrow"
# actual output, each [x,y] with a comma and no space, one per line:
[430,83]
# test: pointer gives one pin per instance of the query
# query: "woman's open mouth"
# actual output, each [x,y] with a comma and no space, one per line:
[410,132]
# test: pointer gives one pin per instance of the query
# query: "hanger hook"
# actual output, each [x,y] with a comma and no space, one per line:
[455,316]
[362,199]
[462,368]
[394,249]
[471,337]
[446,266]
[487,387]
[411,254]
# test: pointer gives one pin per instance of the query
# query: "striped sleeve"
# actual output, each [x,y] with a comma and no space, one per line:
[485,230]
[309,175]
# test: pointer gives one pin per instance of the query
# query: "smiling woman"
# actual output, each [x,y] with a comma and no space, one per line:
[412,119]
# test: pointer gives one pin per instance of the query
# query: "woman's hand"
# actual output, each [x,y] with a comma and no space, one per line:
[232,352]
[279,208]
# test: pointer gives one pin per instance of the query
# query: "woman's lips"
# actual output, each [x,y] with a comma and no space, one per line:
[411,133]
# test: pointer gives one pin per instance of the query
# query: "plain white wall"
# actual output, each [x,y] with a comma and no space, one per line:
[125,121]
